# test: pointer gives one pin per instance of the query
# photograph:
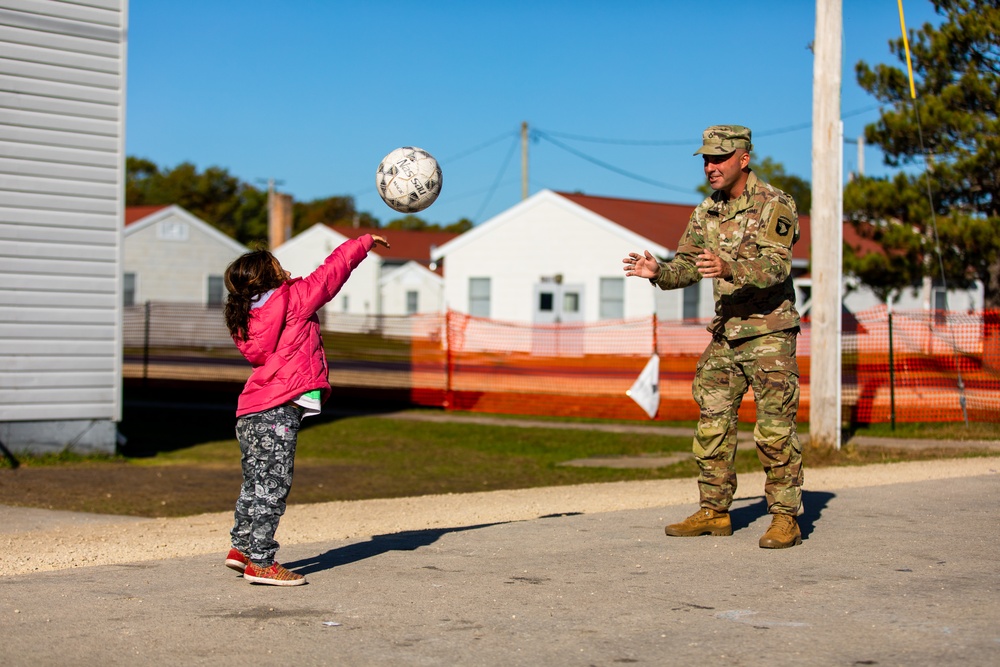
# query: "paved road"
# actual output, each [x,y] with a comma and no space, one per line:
[888,574]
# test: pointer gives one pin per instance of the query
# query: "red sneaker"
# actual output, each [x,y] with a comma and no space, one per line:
[273,575]
[236,561]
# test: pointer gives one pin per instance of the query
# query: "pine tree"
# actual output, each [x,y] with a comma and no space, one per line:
[947,145]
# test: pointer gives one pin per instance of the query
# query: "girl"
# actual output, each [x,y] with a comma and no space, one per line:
[272,318]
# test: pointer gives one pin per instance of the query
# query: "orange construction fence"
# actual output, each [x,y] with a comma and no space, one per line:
[908,366]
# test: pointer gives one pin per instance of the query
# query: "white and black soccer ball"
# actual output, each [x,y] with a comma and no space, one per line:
[408,179]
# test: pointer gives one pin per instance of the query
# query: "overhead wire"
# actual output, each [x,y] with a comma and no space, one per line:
[485,144]
[610,167]
[499,177]
[683,142]
[553,137]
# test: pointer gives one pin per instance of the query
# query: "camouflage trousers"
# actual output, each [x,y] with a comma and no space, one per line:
[726,369]
[267,440]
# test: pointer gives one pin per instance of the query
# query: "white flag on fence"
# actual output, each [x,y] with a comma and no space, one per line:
[646,389]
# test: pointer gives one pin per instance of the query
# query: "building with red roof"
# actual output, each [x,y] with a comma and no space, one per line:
[402,279]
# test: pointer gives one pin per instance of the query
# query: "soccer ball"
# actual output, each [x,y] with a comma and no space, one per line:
[408,179]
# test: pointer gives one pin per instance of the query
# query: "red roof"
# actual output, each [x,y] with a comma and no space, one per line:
[659,222]
[861,244]
[664,223]
[405,244]
[136,213]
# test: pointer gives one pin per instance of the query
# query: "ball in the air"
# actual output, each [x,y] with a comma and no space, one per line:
[408,179]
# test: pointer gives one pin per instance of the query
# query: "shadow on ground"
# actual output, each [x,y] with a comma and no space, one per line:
[379,544]
[169,418]
[813,505]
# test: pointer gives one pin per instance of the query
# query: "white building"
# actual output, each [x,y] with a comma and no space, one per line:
[171,255]
[411,289]
[62,171]
[399,280]
[556,257]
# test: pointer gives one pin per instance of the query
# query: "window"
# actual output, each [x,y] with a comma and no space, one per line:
[172,230]
[216,291]
[571,302]
[612,298]
[411,302]
[692,295]
[128,290]
[479,297]
[545,302]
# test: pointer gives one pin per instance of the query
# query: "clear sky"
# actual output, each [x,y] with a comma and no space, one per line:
[314,92]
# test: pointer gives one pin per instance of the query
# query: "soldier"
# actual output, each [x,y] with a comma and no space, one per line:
[741,237]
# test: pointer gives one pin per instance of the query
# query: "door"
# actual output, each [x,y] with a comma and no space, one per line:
[558,316]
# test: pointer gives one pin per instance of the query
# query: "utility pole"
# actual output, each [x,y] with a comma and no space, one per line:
[827,227]
[860,141]
[524,160]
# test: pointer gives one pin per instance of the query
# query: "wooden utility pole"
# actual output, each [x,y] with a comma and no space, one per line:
[827,227]
[524,160]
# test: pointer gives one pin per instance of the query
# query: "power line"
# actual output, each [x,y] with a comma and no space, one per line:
[683,142]
[610,167]
[499,176]
[476,149]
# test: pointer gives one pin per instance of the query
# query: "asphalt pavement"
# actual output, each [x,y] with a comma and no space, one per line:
[887,574]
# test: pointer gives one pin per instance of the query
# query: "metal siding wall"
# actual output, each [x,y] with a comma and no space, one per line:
[62,104]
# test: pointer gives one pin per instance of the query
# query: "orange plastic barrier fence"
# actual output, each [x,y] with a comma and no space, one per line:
[940,366]
[580,370]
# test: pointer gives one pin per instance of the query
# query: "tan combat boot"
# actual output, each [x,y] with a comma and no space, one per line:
[783,533]
[703,522]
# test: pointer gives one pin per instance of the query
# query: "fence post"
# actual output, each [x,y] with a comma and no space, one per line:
[449,361]
[656,341]
[145,346]
[892,376]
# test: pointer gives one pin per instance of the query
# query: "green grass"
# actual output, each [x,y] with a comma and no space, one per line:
[932,431]
[185,460]
[494,455]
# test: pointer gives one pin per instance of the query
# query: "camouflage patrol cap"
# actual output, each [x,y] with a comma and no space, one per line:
[724,139]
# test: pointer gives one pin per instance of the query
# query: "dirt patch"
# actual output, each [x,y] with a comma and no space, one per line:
[164,491]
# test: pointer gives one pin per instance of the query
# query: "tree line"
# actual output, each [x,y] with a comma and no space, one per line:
[239,209]
[937,216]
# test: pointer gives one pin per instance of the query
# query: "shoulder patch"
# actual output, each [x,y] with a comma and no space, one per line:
[781,226]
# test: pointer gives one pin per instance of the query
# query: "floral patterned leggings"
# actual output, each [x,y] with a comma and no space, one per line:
[267,440]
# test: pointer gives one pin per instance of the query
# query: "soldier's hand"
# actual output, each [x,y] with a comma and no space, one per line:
[643,266]
[711,265]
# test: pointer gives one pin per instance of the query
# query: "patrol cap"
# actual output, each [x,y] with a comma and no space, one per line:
[724,139]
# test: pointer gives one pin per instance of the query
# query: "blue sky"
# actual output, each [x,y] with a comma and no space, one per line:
[313,93]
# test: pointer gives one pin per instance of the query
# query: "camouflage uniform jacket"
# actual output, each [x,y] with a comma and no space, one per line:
[754,234]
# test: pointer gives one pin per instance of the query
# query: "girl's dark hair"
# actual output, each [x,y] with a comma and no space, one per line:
[249,275]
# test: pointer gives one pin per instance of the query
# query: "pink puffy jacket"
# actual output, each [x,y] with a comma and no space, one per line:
[284,344]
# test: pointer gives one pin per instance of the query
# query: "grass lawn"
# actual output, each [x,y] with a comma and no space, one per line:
[184,460]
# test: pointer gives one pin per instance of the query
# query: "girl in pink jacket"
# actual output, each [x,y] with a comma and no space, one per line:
[272,318]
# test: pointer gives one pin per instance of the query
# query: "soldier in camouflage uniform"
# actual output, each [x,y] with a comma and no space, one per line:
[741,237]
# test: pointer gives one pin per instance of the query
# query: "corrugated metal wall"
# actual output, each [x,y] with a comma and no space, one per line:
[62,108]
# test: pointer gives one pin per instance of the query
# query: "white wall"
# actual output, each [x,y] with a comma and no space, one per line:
[172,254]
[62,73]
[862,298]
[412,277]
[543,236]
[301,255]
